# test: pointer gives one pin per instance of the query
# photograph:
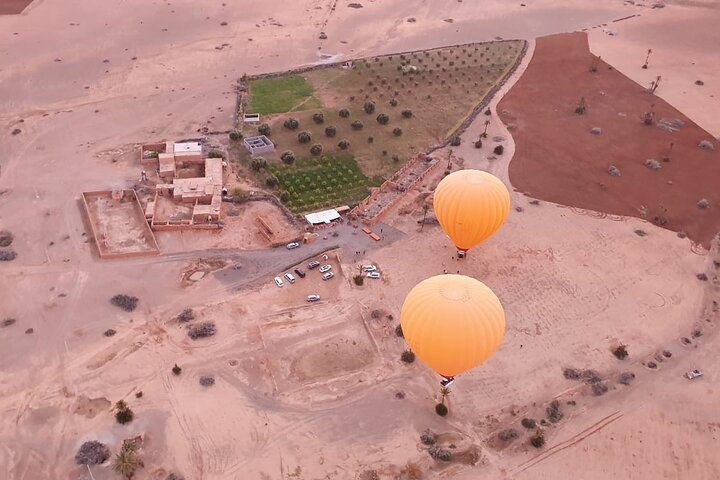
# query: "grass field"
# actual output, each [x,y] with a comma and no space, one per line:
[317,182]
[281,94]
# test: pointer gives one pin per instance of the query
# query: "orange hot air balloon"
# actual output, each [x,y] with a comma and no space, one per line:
[452,322]
[470,205]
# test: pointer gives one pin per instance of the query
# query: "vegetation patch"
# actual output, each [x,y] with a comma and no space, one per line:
[281,94]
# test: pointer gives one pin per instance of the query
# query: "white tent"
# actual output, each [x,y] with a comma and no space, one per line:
[326,216]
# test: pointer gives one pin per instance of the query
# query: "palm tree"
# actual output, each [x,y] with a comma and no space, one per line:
[426,207]
[127,461]
[484,134]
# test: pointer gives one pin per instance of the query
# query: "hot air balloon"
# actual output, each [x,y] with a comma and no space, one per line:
[470,205]
[452,323]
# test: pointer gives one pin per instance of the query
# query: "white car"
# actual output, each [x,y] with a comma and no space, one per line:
[313,298]
[328,275]
[369,268]
[292,245]
[325,268]
[373,275]
[290,277]
[694,374]
[278,281]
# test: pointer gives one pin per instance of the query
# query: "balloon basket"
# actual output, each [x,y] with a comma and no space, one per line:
[461,254]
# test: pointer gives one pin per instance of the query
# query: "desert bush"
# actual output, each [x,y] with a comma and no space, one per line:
[478,143]
[621,352]
[264,129]
[371,139]
[284,196]
[330,131]
[316,149]
[369,474]
[344,113]
[291,123]
[173,476]
[8,322]
[706,145]
[123,413]
[399,331]
[640,233]
[428,437]
[614,171]
[126,302]
[393,102]
[318,118]
[407,356]
[272,181]
[591,376]
[357,125]
[438,453]
[109,332]
[553,412]
[537,440]
[702,277]
[508,435]
[203,330]
[703,203]
[304,137]
[528,423]
[235,135]
[498,150]
[412,471]
[7,255]
[176,370]
[383,119]
[397,131]
[407,113]
[599,388]
[92,453]
[216,154]
[288,157]
[395,158]
[343,144]
[376,314]
[626,378]
[359,280]
[6,238]
[652,164]
[369,107]
[207,381]
[455,141]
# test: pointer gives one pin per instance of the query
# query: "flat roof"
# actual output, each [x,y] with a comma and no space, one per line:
[326,216]
[187,147]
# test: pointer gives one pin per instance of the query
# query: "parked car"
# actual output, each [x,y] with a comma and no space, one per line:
[313,264]
[325,268]
[290,277]
[369,268]
[373,275]
[313,298]
[300,272]
[278,281]
[292,245]
[694,374]
[328,275]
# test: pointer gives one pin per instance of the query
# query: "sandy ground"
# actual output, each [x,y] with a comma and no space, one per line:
[310,391]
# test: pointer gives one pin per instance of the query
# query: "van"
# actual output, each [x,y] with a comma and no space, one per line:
[290,277]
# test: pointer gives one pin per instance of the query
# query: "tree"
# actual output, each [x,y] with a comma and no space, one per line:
[123,413]
[455,140]
[647,57]
[288,157]
[258,164]
[484,134]
[498,150]
[291,123]
[330,131]
[397,131]
[264,129]
[304,137]
[343,144]
[369,107]
[127,461]
[284,196]
[344,113]
[316,149]
[357,125]
[407,113]
[235,135]
[318,118]
[383,119]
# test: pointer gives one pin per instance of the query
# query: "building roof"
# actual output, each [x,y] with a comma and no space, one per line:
[326,216]
[187,147]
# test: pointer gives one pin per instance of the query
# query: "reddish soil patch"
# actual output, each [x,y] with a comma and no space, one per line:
[558,159]
[13,7]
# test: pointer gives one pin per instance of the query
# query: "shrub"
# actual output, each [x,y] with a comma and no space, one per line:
[528,423]
[614,171]
[537,440]
[123,414]
[370,140]
[330,131]
[478,143]
[304,137]
[235,136]
[316,149]
[272,181]
[357,125]
[428,437]
[126,302]
[397,131]
[92,453]
[703,203]
[207,381]
[344,113]
[383,119]
[436,452]
[6,238]
[369,107]
[393,102]
[508,435]
[376,314]
[407,113]
[599,388]
[291,123]
[176,370]
[343,144]
[553,412]
[258,164]
[399,331]
[626,377]
[455,141]
[318,118]
[216,154]
[284,196]
[407,356]
[288,157]
[203,330]
[359,280]
[498,150]
[621,352]
[441,409]
[264,129]
[652,164]
[7,255]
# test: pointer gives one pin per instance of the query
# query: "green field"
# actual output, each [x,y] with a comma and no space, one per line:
[281,94]
[318,182]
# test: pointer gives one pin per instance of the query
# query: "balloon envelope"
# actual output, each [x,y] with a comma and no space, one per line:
[470,205]
[452,323]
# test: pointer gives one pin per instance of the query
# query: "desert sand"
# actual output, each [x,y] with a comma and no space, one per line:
[317,390]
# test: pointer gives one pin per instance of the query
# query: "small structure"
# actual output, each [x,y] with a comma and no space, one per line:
[324,217]
[251,117]
[258,145]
